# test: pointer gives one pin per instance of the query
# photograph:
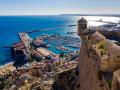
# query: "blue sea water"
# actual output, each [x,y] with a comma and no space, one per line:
[11,25]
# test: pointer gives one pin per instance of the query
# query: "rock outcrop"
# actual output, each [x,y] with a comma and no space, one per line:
[90,76]
[66,80]
[98,55]
[116,80]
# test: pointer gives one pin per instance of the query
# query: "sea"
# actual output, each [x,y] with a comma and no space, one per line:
[11,25]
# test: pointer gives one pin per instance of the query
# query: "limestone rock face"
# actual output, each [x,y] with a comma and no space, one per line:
[110,61]
[116,80]
[66,80]
[98,55]
[95,37]
[90,76]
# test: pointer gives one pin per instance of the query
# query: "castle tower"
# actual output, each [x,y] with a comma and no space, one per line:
[90,76]
[82,25]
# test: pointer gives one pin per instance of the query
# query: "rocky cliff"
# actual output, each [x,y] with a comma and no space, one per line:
[99,59]
[90,75]
[116,80]
[66,80]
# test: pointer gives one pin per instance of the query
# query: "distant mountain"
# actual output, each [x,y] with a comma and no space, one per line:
[115,15]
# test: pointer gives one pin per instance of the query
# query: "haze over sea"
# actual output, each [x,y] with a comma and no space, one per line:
[11,25]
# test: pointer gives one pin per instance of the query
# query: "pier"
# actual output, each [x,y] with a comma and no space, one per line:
[26,40]
[64,49]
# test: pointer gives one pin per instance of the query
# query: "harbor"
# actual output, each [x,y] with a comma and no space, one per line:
[21,27]
[59,45]
[46,61]
[43,47]
[42,63]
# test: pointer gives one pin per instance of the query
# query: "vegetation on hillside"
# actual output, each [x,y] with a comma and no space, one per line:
[101,47]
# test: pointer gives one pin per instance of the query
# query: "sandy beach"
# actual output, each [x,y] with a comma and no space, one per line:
[9,67]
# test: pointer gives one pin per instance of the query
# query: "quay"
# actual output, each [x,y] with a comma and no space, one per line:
[26,40]
[30,46]
[64,49]
[44,52]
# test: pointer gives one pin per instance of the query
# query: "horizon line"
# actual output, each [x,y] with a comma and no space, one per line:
[58,14]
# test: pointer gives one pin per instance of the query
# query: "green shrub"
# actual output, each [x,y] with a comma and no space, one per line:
[109,83]
[101,45]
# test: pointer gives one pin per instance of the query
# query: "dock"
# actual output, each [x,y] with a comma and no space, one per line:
[44,52]
[26,40]
[62,48]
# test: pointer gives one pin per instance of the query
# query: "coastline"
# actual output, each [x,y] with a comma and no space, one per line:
[8,66]
[34,25]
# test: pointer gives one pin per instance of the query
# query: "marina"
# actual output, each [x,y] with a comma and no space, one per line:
[38,47]
[46,65]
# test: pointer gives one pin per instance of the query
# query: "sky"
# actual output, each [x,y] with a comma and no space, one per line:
[53,7]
